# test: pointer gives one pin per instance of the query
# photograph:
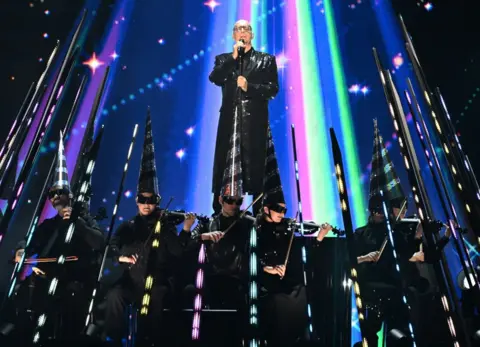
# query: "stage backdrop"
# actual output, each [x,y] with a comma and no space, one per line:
[327,79]
[161,54]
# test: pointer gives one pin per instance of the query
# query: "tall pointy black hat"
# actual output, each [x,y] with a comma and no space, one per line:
[232,183]
[272,183]
[148,180]
[383,177]
[60,176]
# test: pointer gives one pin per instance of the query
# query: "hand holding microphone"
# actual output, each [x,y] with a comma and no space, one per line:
[239,49]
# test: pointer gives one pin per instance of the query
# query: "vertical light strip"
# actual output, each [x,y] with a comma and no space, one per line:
[294,94]
[244,10]
[263,27]
[258,15]
[316,156]
[256,24]
[348,134]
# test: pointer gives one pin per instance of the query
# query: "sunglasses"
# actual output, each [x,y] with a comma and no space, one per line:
[148,200]
[243,28]
[278,208]
[57,192]
[231,200]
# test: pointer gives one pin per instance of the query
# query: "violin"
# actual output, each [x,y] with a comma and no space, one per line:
[178,216]
[313,227]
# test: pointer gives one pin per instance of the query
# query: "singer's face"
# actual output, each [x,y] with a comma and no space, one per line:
[145,209]
[243,31]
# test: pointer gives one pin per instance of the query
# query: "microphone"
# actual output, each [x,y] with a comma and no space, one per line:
[241,50]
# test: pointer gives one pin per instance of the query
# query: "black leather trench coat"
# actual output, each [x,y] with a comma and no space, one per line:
[260,70]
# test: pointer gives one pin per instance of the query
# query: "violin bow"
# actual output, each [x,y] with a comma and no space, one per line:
[243,213]
[48,260]
[384,244]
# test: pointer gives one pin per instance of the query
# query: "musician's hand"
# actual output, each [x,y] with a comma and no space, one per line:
[214,236]
[275,270]
[418,257]
[37,271]
[66,212]
[325,228]
[18,255]
[448,231]
[371,257]
[236,46]
[129,260]
[189,221]
[242,83]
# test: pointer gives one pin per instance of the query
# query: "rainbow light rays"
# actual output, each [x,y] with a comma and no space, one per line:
[347,132]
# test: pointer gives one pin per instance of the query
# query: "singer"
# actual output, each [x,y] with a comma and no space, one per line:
[249,79]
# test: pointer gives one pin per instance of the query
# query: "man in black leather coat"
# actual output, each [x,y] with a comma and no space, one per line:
[250,92]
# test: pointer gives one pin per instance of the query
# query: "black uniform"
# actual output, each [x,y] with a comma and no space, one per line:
[227,262]
[130,238]
[380,283]
[260,70]
[284,301]
[76,278]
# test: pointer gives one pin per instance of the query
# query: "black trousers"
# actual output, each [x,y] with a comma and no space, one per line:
[66,312]
[223,291]
[384,304]
[124,294]
[284,316]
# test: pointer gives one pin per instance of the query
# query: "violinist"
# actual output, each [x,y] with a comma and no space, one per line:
[380,282]
[47,244]
[227,258]
[282,290]
[131,247]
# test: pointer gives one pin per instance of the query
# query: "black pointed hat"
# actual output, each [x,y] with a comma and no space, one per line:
[272,183]
[383,177]
[60,176]
[148,180]
[232,183]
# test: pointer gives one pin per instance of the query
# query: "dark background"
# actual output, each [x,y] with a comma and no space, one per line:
[445,40]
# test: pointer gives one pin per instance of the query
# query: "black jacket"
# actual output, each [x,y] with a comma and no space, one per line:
[260,70]
[230,255]
[48,241]
[370,238]
[272,248]
[134,237]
